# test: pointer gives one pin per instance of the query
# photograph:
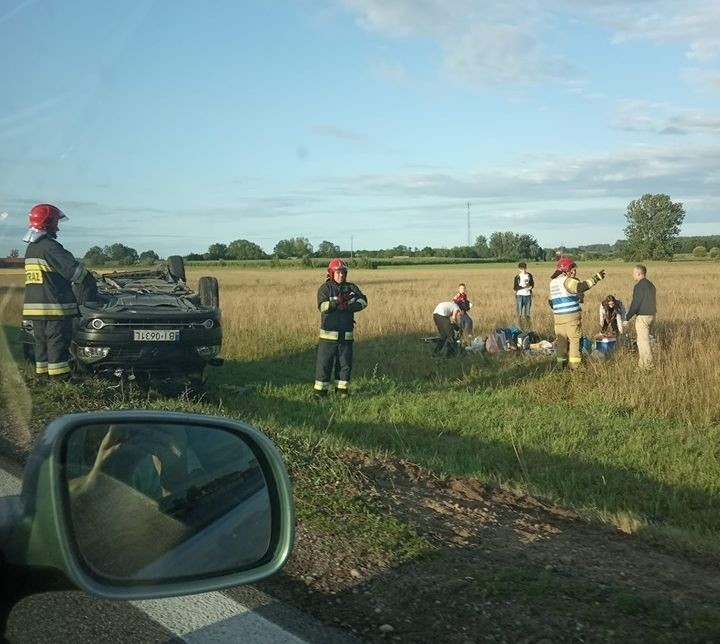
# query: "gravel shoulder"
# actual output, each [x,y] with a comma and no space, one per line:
[504,568]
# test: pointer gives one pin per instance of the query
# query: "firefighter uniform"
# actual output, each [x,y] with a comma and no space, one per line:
[50,273]
[338,303]
[566,292]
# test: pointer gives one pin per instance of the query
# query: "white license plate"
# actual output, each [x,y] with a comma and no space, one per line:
[152,335]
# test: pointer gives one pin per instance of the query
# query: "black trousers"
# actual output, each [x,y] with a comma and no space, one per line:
[52,346]
[447,335]
[334,360]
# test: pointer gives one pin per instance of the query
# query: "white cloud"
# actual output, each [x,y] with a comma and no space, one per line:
[481,44]
[705,80]
[643,116]
[494,42]
[690,22]
[335,132]
[623,174]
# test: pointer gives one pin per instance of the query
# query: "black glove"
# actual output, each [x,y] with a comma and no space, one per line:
[600,275]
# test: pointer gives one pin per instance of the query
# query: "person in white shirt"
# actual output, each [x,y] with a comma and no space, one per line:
[523,286]
[447,320]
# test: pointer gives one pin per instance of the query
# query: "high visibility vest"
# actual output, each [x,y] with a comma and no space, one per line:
[562,300]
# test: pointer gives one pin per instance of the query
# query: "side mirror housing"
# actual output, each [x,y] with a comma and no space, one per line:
[147,504]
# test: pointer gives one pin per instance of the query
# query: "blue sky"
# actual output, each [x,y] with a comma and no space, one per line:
[174,124]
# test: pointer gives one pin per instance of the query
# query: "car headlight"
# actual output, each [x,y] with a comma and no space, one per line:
[208,351]
[91,354]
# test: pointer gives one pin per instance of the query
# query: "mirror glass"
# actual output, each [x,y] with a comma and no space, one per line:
[156,502]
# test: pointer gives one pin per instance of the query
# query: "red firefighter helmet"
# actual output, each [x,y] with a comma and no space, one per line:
[336,265]
[45,216]
[565,265]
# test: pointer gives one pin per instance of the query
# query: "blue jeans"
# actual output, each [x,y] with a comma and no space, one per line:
[466,325]
[524,303]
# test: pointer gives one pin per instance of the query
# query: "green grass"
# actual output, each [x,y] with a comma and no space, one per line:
[499,419]
[505,421]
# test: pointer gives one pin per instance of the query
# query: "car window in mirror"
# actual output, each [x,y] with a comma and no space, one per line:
[160,502]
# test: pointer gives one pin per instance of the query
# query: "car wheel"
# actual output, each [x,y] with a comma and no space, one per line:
[209,291]
[176,267]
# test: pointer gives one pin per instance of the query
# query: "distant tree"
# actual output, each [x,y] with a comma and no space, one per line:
[463,251]
[244,249]
[327,249]
[481,246]
[401,251]
[148,256]
[121,253]
[14,253]
[216,251]
[714,252]
[505,244]
[293,247]
[194,257]
[699,251]
[528,248]
[427,251]
[653,226]
[95,256]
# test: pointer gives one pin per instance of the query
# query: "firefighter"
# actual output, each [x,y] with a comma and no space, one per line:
[338,301]
[51,272]
[566,294]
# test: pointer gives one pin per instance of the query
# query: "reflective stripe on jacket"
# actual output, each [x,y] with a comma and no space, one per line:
[50,272]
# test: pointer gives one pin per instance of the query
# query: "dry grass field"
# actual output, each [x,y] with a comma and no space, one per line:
[270,312]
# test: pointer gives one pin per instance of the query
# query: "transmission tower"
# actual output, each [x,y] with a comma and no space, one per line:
[469,236]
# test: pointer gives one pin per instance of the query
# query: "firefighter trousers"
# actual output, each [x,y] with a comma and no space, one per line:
[568,333]
[334,360]
[52,346]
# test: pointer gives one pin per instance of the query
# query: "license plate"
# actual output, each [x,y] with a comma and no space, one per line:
[153,335]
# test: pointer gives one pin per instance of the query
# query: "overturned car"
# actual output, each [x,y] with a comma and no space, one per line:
[146,325]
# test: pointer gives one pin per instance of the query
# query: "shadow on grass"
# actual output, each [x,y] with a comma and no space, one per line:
[406,360]
[416,407]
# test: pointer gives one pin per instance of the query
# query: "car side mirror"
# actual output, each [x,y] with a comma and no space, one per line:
[143,504]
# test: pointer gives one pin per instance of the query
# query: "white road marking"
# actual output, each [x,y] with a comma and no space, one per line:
[214,617]
[9,485]
[207,618]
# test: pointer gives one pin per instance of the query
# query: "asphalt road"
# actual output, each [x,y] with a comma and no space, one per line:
[78,618]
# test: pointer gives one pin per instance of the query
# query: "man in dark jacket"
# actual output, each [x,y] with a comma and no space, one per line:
[338,300]
[643,307]
[50,274]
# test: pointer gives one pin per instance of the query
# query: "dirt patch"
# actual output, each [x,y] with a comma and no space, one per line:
[506,568]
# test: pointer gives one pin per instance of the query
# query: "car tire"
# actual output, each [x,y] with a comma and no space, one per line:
[209,292]
[176,267]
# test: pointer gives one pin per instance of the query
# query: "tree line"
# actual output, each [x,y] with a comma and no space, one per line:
[653,226]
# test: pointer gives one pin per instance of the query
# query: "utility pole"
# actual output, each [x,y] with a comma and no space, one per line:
[469,236]
[351,245]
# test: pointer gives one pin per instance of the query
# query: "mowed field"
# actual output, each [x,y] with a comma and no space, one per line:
[638,450]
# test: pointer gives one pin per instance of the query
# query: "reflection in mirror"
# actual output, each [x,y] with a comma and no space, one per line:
[157,502]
